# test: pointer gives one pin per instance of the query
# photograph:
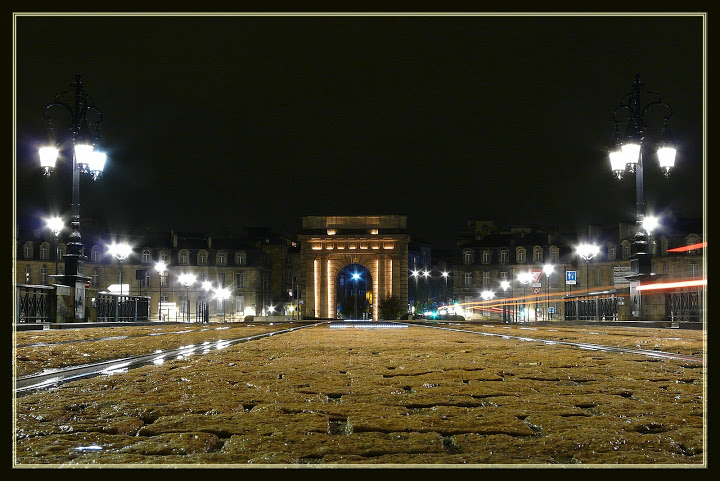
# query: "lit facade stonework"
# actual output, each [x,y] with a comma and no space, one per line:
[329,243]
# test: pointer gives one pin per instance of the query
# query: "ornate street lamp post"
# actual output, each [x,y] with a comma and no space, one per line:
[630,119]
[84,134]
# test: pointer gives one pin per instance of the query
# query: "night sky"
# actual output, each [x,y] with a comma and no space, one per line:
[216,122]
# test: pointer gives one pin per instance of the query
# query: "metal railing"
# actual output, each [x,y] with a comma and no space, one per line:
[35,303]
[592,307]
[122,308]
[683,306]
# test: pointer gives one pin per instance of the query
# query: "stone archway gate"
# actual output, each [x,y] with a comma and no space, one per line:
[329,243]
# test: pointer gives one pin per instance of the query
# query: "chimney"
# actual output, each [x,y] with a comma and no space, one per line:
[209,242]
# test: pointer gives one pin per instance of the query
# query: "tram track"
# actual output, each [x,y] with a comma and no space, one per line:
[51,379]
[579,345]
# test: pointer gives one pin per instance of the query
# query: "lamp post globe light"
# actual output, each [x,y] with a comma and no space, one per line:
[55,224]
[524,278]
[160,267]
[187,280]
[83,134]
[631,118]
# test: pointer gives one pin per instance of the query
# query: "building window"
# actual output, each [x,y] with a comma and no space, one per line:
[503,276]
[164,279]
[146,257]
[28,250]
[182,257]
[221,258]
[468,279]
[202,277]
[95,277]
[239,279]
[626,250]
[554,255]
[62,248]
[694,271]
[95,254]
[468,257]
[504,256]
[597,276]
[486,257]
[202,258]
[43,275]
[612,252]
[146,279]
[164,257]
[537,254]
[240,258]
[486,279]
[520,255]
[44,252]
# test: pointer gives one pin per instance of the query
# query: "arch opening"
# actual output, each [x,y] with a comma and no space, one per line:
[354,292]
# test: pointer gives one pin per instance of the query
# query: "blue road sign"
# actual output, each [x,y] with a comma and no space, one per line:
[570,277]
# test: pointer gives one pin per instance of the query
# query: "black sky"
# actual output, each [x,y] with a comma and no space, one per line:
[216,122]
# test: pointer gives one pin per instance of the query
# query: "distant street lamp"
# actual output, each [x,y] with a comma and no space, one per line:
[548,269]
[120,251]
[632,114]
[160,267]
[445,274]
[187,280]
[55,224]
[524,278]
[415,273]
[650,223]
[504,286]
[587,252]
[356,277]
[222,293]
[78,104]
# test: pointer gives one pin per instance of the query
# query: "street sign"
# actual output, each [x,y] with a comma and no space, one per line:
[620,273]
[536,290]
[570,277]
[537,274]
[551,310]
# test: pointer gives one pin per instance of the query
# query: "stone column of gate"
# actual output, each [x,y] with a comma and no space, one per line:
[323,288]
[381,286]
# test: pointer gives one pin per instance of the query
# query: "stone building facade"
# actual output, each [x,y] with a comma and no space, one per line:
[244,263]
[488,255]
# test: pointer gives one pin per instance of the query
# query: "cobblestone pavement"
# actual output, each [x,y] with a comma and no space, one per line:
[378,397]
